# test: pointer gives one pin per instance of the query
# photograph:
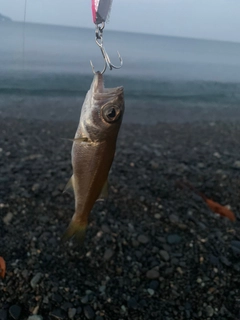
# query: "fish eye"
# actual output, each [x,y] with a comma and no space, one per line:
[110,113]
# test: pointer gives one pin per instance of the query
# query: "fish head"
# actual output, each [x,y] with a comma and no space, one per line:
[102,111]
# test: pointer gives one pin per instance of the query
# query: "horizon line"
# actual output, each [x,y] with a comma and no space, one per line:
[123,31]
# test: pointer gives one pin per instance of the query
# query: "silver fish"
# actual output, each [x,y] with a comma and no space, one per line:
[93,151]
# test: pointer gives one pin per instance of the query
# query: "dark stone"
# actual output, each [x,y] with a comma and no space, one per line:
[99,318]
[235,245]
[214,260]
[66,306]
[89,312]
[138,254]
[174,239]
[225,261]
[108,254]
[15,311]
[3,315]
[56,313]
[143,303]
[236,267]
[143,239]
[84,299]
[79,310]
[132,304]
[164,254]
[152,274]
[57,298]
[173,218]
[168,271]
[153,285]
[72,312]
[188,306]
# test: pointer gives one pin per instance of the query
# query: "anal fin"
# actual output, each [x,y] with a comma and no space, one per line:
[104,193]
[69,185]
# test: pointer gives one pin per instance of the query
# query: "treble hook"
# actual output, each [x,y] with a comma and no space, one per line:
[99,42]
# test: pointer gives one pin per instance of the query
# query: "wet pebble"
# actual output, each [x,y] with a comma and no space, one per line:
[209,311]
[8,218]
[35,280]
[15,311]
[57,314]
[88,312]
[35,317]
[108,254]
[236,165]
[135,243]
[164,254]
[84,299]
[106,229]
[3,315]
[150,291]
[132,303]
[235,245]
[152,274]
[71,313]
[173,239]
[143,239]
[173,218]
[225,261]
[57,298]
[79,310]
[154,284]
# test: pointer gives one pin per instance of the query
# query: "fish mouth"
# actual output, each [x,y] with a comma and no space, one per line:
[100,92]
[98,83]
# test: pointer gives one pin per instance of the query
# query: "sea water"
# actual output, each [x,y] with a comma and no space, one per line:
[47,61]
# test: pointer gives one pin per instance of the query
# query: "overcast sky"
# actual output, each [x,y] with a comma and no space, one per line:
[209,19]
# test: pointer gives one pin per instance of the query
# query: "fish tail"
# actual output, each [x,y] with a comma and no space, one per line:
[76,230]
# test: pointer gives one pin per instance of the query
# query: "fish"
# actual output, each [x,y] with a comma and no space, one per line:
[93,151]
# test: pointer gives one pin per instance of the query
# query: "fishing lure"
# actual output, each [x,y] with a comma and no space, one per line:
[101,10]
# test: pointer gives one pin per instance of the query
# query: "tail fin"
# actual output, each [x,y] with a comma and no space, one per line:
[75,229]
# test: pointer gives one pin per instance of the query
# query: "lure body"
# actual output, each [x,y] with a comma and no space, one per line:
[100,10]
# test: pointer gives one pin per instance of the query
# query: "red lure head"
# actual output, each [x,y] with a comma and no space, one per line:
[94,10]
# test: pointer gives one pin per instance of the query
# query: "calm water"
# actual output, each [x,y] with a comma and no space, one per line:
[56,62]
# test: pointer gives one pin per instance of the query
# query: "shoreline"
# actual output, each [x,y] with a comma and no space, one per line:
[136,111]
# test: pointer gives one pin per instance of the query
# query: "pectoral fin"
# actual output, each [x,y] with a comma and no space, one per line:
[80,139]
[69,185]
[104,192]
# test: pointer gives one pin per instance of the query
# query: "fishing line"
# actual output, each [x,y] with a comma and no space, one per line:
[24,34]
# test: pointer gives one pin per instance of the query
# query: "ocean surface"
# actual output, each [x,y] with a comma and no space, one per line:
[42,61]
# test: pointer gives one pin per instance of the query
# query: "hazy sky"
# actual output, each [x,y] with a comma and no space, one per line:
[209,19]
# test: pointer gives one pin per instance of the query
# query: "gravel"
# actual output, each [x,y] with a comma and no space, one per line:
[152,250]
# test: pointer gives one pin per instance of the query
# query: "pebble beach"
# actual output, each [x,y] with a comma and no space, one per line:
[152,250]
